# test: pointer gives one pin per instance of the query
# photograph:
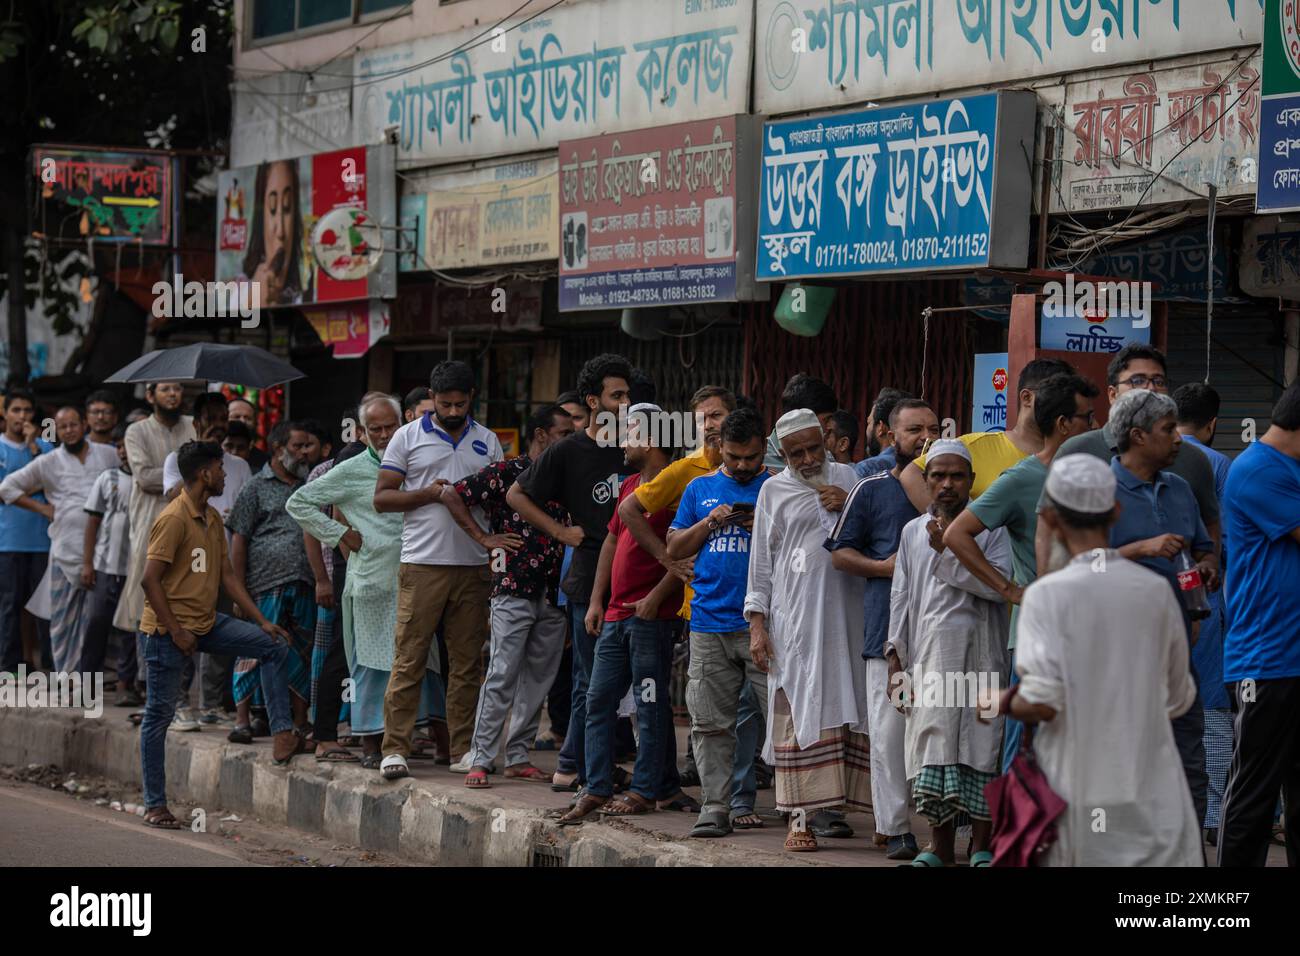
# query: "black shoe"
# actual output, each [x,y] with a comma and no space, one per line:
[1212,837]
[240,735]
[690,777]
[260,727]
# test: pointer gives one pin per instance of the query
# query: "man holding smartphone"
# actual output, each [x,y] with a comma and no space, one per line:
[713,524]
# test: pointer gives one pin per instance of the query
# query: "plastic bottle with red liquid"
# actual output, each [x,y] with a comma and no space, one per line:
[1191,587]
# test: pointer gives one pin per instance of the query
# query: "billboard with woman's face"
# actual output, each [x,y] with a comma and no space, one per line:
[267,213]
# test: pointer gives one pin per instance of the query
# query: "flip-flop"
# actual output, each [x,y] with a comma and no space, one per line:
[629,804]
[587,805]
[477,779]
[712,823]
[571,787]
[371,761]
[925,859]
[981,858]
[393,767]
[823,824]
[528,772]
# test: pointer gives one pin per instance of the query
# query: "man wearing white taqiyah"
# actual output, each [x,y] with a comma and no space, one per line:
[1102,657]
[805,622]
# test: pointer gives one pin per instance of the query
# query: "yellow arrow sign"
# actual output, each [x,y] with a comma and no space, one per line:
[127,201]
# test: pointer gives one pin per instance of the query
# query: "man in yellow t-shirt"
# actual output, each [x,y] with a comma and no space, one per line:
[992,453]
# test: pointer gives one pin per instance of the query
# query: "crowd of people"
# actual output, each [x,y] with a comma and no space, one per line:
[889,633]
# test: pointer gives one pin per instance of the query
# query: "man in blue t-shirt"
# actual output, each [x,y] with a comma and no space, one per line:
[713,524]
[24,535]
[1261,652]
[864,542]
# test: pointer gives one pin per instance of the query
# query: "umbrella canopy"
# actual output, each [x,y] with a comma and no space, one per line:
[209,362]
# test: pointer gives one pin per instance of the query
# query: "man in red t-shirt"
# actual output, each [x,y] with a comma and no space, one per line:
[635,647]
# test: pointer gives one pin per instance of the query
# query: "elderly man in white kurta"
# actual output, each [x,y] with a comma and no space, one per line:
[947,648]
[806,632]
[66,475]
[1101,650]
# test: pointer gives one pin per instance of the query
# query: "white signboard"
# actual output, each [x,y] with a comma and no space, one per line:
[580,70]
[286,115]
[1201,117]
[815,54]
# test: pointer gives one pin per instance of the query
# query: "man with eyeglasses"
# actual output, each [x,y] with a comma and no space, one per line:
[101,417]
[1140,366]
[1062,409]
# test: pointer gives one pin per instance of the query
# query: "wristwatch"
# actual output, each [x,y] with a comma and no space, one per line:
[713,523]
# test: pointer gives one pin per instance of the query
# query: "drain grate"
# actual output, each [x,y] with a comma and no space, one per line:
[546,855]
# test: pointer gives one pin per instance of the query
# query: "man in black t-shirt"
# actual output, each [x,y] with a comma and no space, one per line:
[583,474]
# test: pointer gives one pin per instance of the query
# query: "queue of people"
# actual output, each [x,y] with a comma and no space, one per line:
[887,635]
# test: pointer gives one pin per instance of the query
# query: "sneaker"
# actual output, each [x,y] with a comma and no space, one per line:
[183,721]
[901,847]
[462,765]
[212,717]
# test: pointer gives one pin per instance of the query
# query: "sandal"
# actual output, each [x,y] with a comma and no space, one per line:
[746,820]
[162,818]
[587,804]
[800,841]
[927,859]
[565,782]
[981,858]
[629,804]
[526,772]
[393,767]
[681,804]
[371,761]
[337,755]
[825,824]
[477,779]
[712,823]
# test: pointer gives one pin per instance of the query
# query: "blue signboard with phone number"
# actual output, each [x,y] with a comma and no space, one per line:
[943,184]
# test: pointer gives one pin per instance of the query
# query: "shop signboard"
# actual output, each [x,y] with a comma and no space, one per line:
[923,187]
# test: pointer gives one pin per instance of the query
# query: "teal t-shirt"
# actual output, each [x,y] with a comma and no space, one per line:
[1011,502]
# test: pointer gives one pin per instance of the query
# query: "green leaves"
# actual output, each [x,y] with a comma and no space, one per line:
[111,30]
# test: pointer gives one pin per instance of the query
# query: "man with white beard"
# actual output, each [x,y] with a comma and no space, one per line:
[805,623]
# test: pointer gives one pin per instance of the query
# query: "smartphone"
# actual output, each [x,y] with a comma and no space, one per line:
[743,507]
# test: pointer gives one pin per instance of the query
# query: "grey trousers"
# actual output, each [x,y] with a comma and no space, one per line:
[524,654]
[720,665]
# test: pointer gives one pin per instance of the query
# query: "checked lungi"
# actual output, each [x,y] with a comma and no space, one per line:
[293,607]
[834,771]
[945,793]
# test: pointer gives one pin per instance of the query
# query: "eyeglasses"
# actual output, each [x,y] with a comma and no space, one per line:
[1087,416]
[1142,381]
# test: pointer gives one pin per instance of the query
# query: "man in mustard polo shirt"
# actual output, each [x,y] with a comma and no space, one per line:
[711,405]
[185,566]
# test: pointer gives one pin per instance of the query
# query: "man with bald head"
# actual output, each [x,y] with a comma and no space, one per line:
[805,622]
[66,476]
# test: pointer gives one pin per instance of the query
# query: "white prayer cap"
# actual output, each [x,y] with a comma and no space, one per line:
[1082,483]
[948,446]
[796,421]
[647,407]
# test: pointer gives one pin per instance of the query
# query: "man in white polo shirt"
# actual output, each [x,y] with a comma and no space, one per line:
[444,575]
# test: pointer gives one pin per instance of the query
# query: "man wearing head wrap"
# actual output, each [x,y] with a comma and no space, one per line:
[1102,658]
[947,641]
[805,632]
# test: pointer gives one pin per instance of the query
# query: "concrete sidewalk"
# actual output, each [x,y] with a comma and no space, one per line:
[430,817]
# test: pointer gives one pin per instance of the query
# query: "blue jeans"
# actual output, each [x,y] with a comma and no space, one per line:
[750,724]
[640,653]
[572,758]
[164,663]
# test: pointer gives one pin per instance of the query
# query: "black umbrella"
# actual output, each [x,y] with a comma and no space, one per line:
[209,362]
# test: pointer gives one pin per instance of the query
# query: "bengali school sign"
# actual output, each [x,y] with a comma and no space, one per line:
[928,186]
[817,54]
[1198,122]
[988,411]
[112,196]
[650,217]
[582,69]
[1279,114]
[266,214]
[491,216]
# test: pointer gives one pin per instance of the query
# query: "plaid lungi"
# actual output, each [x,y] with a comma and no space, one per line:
[943,793]
[293,607]
[328,625]
[1218,755]
[67,606]
[831,772]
